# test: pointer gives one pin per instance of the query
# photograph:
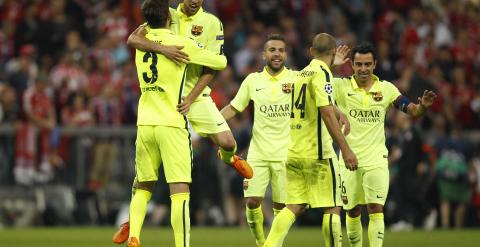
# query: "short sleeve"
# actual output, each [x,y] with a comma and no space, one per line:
[339,91]
[393,91]
[241,100]
[323,88]
[216,39]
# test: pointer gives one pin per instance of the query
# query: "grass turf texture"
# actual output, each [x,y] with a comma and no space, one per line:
[225,237]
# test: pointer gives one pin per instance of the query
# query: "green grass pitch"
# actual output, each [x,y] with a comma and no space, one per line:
[224,237]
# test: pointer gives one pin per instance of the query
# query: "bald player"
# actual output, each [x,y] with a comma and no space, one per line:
[312,165]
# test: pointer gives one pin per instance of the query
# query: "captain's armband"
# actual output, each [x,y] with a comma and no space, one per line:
[401,103]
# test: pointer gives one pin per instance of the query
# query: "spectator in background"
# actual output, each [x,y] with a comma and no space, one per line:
[28,27]
[9,107]
[77,113]
[248,55]
[385,66]
[108,112]
[40,122]
[462,95]
[23,70]
[9,116]
[126,80]
[453,183]
[411,183]
[476,178]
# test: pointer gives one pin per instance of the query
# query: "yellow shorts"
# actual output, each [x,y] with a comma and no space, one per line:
[265,172]
[205,117]
[165,145]
[365,185]
[313,182]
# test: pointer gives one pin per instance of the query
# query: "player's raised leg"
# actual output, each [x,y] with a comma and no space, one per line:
[227,149]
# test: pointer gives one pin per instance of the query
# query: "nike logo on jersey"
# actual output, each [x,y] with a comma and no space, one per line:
[350,94]
[379,197]
[218,124]
[258,89]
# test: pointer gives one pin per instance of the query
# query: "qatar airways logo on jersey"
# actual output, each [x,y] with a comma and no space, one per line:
[365,116]
[276,110]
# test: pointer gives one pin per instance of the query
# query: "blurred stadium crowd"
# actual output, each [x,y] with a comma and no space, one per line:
[65,65]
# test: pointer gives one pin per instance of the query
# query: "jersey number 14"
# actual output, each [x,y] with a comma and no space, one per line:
[300,102]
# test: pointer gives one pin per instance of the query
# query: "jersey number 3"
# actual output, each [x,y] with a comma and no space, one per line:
[300,102]
[153,67]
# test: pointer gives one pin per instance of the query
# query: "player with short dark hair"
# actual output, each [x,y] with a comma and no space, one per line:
[313,176]
[270,91]
[162,132]
[365,99]
[190,20]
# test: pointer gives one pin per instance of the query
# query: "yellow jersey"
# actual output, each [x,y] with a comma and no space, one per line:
[162,82]
[205,29]
[366,113]
[309,137]
[271,100]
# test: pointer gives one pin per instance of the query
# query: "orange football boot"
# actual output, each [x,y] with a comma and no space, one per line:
[121,236]
[240,165]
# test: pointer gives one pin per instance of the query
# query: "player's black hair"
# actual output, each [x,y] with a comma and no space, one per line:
[156,13]
[274,36]
[364,48]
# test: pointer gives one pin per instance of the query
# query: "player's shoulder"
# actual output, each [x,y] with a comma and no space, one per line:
[211,17]
[292,72]
[212,20]
[343,80]
[387,85]
[254,76]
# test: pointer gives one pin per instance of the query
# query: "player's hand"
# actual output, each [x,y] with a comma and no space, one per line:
[142,30]
[184,107]
[341,55]
[427,98]
[351,162]
[344,123]
[175,53]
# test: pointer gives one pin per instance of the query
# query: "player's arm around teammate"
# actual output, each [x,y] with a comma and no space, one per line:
[162,132]
[191,21]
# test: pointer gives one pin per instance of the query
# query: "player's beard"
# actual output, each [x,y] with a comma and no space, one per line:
[275,68]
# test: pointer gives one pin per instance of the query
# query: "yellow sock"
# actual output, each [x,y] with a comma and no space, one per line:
[180,219]
[332,230]
[354,231]
[376,229]
[281,225]
[227,156]
[276,212]
[255,223]
[138,209]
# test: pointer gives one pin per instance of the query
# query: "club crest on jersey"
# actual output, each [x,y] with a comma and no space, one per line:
[197,30]
[329,88]
[377,96]
[287,87]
